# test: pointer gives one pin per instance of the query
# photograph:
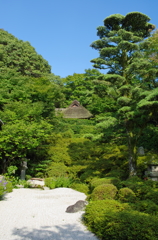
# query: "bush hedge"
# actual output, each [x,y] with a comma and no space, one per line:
[146,206]
[57,182]
[81,187]
[126,195]
[104,191]
[110,219]
[108,180]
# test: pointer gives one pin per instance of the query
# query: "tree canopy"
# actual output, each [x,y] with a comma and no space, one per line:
[21,56]
[121,50]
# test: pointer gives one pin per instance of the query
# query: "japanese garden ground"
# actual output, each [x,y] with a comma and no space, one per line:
[34,214]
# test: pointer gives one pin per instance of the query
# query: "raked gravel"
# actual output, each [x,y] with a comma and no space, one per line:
[33,214]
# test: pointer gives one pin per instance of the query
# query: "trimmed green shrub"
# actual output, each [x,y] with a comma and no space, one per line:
[109,180]
[109,219]
[81,187]
[104,191]
[146,206]
[95,213]
[126,195]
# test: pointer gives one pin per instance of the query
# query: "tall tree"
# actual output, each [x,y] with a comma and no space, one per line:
[121,50]
[21,56]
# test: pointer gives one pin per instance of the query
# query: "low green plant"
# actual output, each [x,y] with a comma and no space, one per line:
[89,174]
[10,175]
[49,182]
[57,182]
[152,195]
[104,191]
[146,206]
[109,219]
[81,187]
[138,186]
[126,195]
[24,183]
[28,177]
[108,180]
[2,190]
[9,187]
[63,182]
[95,213]
[5,187]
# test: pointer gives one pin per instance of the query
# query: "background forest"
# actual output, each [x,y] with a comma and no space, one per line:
[123,102]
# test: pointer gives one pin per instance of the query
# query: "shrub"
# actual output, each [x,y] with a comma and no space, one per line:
[2,191]
[49,182]
[9,187]
[139,187]
[126,195]
[104,191]
[89,174]
[109,180]
[152,195]
[57,170]
[28,177]
[5,187]
[95,213]
[146,206]
[24,183]
[118,173]
[63,182]
[81,187]
[109,219]
[57,182]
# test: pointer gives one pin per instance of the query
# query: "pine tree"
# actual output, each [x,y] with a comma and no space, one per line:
[122,49]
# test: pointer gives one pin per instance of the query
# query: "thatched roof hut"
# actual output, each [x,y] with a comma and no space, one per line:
[75,110]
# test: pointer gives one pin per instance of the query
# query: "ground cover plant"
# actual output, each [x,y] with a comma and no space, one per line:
[5,187]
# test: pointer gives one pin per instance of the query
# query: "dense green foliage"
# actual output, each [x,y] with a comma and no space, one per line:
[122,49]
[5,187]
[57,182]
[123,218]
[95,156]
[109,219]
[126,195]
[104,191]
[21,56]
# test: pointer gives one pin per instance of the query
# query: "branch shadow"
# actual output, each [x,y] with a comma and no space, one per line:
[68,231]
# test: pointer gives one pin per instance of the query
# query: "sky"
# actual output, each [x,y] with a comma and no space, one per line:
[62,30]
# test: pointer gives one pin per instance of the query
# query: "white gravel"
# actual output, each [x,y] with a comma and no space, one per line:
[33,214]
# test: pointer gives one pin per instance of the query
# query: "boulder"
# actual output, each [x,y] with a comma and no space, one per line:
[78,206]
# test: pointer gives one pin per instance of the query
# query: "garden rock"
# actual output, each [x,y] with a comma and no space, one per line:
[78,206]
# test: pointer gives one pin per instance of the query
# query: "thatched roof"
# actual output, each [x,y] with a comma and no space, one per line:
[75,110]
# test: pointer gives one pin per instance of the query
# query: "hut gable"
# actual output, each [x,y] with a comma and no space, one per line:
[75,110]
